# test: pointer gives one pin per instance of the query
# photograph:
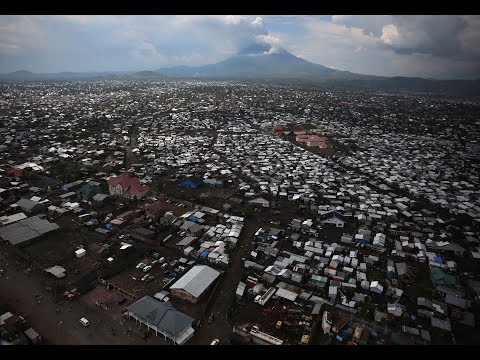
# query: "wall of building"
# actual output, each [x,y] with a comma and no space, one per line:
[182,294]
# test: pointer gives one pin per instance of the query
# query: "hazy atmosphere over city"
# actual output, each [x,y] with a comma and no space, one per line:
[419,46]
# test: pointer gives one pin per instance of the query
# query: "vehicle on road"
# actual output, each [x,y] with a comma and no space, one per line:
[84,322]
[210,318]
[215,342]
[71,294]
[149,278]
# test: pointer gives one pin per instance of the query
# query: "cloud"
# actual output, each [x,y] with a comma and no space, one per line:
[6,48]
[370,24]
[433,46]
[147,53]
[258,21]
[273,42]
[437,46]
[125,42]
[18,33]
[330,44]
[440,36]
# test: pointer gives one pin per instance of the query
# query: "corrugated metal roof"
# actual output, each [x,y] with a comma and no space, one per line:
[196,280]
[6,220]
[160,314]
[441,324]
[26,229]
[56,271]
[286,294]
[26,203]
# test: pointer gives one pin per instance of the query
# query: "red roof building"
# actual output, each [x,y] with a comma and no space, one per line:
[127,185]
[298,130]
[312,140]
[18,173]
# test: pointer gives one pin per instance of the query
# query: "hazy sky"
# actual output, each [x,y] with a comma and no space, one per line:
[429,46]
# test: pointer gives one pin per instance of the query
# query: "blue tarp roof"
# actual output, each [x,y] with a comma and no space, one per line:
[109,226]
[324,212]
[192,218]
[438,259]
[205,253]
[191,184]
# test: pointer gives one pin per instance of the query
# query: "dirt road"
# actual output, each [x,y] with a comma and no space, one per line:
[63,328]
[221,328]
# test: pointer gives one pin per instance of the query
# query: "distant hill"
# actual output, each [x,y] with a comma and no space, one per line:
[20,75]
[24,75]
[147,74]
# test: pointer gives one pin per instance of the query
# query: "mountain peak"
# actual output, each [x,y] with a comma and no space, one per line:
[261,49]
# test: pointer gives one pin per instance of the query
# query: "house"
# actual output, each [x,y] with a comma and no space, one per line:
[30,206]
[33,336]
[87,191]
[441,324]
[457,301]
[376,287]
[259,202]
[71,186]
[298,130]
[312,140]
[57,271]
[194,283]
[451,248]
[439,277]
[395,309]
[213,182]
[142,234]
[190,183]
[335,221]
[100,197]
[186,242]
[346,238]
[26,230]
[155,208]
[162,318]
[6,220]
[318,281]
[15,172]
[192,228]
[379,239]
[127,185]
